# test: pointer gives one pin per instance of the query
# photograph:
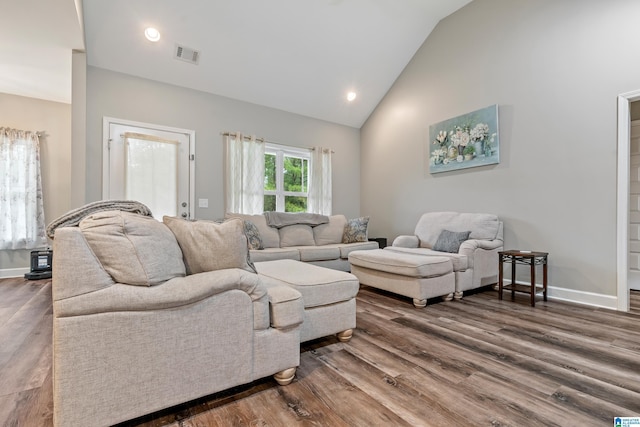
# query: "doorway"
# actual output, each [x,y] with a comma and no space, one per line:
[623,199]
[149,163]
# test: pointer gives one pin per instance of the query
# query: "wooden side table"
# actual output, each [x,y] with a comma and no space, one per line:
[527,258]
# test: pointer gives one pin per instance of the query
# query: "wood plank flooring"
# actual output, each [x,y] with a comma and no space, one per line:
[478,361]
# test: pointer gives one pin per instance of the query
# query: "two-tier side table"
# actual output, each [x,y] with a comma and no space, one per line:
[532,259]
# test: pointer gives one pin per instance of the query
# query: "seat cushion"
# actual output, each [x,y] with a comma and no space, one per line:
[319,253]
[460,262]
[272,254]
[403,264]
[319,286]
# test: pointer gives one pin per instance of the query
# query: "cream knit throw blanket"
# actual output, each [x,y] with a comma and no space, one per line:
[73,217]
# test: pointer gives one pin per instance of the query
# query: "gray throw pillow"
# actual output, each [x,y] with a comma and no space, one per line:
[356,230]
[450,241]
[253,235]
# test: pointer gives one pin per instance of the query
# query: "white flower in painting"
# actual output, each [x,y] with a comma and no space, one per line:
[480,132]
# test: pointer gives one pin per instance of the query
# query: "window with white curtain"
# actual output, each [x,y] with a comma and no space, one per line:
[286,178]
[22,224]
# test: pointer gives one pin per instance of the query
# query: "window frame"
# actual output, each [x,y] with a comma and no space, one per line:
[281,152]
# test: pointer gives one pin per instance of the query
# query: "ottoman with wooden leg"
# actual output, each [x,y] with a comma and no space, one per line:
[413,276]
[329,296]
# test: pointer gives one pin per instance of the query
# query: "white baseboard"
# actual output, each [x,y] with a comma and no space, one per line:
[13,272]
[578,297]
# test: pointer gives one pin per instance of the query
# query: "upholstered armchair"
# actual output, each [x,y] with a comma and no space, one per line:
[470,240]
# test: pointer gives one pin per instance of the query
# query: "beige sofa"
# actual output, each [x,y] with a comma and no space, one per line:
[449,253]
[133,334]
[149,314]
[321,245]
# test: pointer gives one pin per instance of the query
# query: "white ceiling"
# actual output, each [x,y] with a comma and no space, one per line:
[300,56]
[36,41]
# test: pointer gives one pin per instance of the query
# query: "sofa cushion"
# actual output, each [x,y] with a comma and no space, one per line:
[296,235]
[356,230]
[450,241]
[482,226]
[318,286]
[133,249]
[269,235]
[347,248]
[271,254]
[209,246]
[319,253]
[331,232]
[460,261]
[401,263]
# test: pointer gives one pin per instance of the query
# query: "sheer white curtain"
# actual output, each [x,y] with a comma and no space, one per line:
[22,224]
[244,192]
[151,173]
[320,182]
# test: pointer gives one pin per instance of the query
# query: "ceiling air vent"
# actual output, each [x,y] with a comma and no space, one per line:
[187,54]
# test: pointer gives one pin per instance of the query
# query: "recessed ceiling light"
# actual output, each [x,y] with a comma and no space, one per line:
[152,34]
[351,96]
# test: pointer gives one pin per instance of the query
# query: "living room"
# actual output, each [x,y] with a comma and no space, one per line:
[555,69]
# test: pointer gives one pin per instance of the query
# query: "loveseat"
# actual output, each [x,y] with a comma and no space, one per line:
[146,316]
[323,243]
[449,253]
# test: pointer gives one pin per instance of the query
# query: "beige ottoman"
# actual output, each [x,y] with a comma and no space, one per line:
[329,296]
[415,276]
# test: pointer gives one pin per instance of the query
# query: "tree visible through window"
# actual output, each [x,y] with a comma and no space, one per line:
[286,179]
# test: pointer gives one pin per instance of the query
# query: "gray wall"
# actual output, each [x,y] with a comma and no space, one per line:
[555,67]
[53,120]
[122,96]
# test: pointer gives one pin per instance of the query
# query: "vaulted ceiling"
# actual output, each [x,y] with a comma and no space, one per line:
[300,56]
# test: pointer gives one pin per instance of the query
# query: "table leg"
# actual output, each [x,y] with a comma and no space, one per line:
[500,275]
[544,278]
[533,281]
[513,278]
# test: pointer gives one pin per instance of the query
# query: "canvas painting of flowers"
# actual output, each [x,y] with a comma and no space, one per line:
[466,141]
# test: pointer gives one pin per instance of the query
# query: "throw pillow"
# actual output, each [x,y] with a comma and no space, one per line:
[450,241]
[134,249]
[253,235]
[356,230]
[208,246]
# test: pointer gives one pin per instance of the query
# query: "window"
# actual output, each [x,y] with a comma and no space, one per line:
[286,179]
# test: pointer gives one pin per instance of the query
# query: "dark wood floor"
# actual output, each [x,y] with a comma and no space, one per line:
[478,361]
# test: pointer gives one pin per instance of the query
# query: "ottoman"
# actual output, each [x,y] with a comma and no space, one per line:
[414,276]
[329,296]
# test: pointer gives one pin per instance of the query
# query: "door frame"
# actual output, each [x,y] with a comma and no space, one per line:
[622,225]
[191,134]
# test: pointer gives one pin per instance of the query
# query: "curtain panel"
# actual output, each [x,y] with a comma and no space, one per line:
[22,224]
[244,177]
[320,201]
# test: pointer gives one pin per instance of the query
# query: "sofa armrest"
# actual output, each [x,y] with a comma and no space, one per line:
[469,246]
[406,242]
[286,307]
[76,269]
[473,244]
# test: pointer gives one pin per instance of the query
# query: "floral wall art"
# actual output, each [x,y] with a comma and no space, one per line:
[465,141]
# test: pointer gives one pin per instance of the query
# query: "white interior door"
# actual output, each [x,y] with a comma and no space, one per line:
[634,207]
[150,164]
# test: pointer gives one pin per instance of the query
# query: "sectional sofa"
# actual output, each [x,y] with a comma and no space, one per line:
[149,314]
[326,245]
